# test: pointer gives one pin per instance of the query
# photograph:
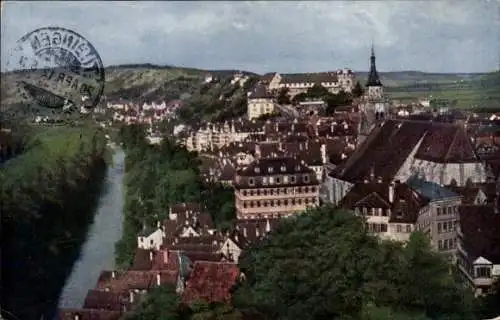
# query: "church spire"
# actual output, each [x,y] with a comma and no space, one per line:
[373,79]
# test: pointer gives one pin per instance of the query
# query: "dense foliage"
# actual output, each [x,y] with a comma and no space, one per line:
[48,196]
[158,176]
[324,265]
[319,92]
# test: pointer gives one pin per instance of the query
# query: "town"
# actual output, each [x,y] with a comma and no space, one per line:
[403,167]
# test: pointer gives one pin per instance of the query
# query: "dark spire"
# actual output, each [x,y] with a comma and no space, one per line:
[373,79]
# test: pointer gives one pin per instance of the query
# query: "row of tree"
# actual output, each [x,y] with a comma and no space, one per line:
[158,176]
[48,197]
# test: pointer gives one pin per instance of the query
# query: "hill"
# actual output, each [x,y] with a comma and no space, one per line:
[148,82]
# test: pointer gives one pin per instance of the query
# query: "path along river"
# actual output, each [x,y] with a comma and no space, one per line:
[98,250]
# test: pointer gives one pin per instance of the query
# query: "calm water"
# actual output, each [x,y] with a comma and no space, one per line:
[99,248]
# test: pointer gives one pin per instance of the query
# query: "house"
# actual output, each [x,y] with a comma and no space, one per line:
[275,187]
[478,250]
[150,239]
[396,150]
[260,102]
[211,282]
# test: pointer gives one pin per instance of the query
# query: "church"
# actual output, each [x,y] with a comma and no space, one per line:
[395,150]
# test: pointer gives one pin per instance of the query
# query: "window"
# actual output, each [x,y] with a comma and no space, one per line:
[483,272]
[283,168]
[285,202]
[258,204]
[244,204]
[244,193]
[151,242]
[438,211]
[450,210]
[399,229]
[251,181]
[383,227]
[270,169]
[292,179]
[313,189]
[264,192]
[408,228]
[440,244]
[251,192]
[439,227]
[278,180]
[306,178]
[251,204]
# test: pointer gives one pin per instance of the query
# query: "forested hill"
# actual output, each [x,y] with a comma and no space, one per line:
[50,188]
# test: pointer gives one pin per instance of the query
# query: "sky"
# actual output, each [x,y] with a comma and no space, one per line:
[454,36]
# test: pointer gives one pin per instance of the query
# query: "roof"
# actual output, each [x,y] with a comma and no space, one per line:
[260,92]
[480,226]
[88,314]
[405,205]
[318,77]
[211,282]
[123,281]
[446,144]
[431,190]
[106,300]
[388,146]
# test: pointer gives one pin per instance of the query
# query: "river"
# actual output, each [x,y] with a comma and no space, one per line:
[98,252]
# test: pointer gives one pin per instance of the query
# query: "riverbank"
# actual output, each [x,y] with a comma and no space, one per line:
[49,196]
[98,250]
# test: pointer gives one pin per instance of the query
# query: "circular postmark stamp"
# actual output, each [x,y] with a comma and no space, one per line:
[57,68]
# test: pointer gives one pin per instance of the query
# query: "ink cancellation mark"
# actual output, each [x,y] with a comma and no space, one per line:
[58,68]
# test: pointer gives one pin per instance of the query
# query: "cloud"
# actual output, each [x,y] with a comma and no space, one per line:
[436,36]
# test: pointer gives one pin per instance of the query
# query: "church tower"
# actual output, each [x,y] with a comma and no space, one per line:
[374,87]
[373,108]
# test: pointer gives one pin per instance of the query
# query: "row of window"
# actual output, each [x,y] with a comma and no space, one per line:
[377,227]
[278,203]
[447,244]
[279,180]
[441,211]
[447,226]
[275,192]
[377,212]
[407,228]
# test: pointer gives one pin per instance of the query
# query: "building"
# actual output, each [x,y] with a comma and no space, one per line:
[396,150]
[260,102]
[478,250]
[395,210]
[296,83]
[373,105]
[211,136]
[275,187]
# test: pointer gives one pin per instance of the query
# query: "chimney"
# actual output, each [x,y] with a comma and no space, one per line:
[150,255]
[158,279]
[131,296]
[391,193]
[113,274]
[165,256]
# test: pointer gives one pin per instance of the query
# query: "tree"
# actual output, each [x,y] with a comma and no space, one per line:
[317,91]
[283,97]
[357,91]
[323,264]
[161,303]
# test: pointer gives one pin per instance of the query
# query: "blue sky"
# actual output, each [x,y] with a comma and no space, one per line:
[433,36]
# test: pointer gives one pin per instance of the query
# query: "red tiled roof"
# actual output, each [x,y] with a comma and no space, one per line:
[88,314]
[211,282]
[141,280]
[107,300]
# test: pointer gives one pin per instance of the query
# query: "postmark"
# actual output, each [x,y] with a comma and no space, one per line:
[57,68]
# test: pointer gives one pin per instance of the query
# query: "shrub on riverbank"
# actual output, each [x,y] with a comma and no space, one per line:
[48,195]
